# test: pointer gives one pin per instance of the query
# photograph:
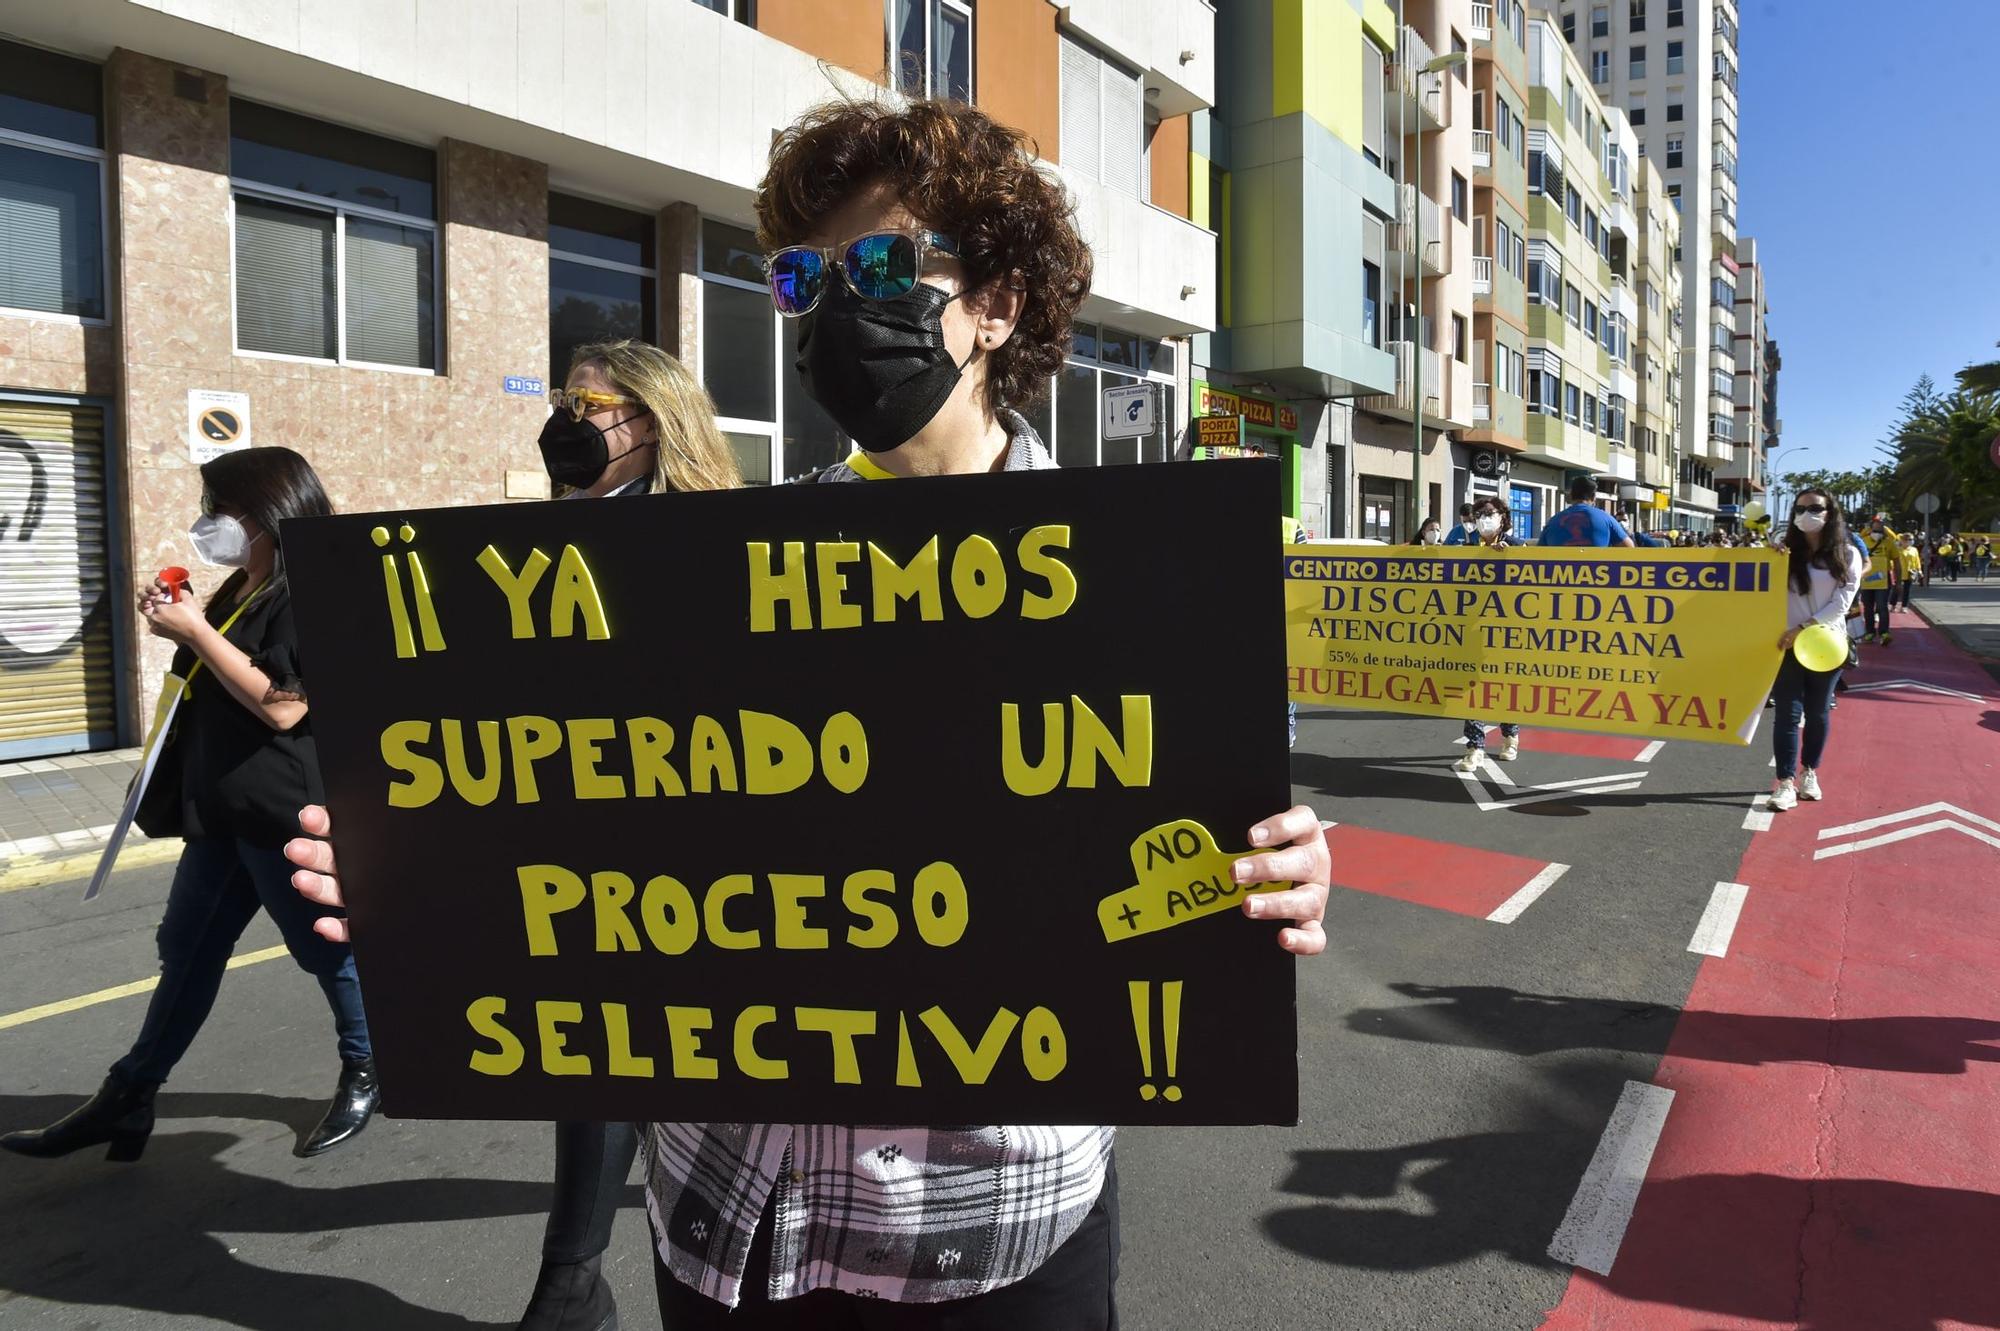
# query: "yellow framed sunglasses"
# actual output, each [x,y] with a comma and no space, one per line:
[580,402]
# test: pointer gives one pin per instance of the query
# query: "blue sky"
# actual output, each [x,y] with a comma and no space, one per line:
[1870,178]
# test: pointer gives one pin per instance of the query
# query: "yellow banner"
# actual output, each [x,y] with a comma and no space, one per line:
[1670,644]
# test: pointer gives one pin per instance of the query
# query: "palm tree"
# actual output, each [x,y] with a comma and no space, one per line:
[1983,378]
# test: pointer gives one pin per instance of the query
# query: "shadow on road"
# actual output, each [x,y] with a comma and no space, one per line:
[1511,1021]
[1863,1254]
[149,1236]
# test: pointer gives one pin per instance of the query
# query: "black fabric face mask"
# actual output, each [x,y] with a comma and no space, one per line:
[574,452]
[878,367]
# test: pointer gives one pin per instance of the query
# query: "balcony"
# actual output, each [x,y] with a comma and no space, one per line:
[1482,274]
[1482,147]
[1402,235]
[1482,402]
[1482,20]
[1696,496]
[1424,95]
[1398,403]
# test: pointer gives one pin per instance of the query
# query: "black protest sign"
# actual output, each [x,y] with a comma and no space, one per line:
[899,801]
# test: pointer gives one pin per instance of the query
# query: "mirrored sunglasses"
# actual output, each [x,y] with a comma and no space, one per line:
[881,265]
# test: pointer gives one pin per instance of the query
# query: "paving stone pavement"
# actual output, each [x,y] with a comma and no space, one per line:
[50,805]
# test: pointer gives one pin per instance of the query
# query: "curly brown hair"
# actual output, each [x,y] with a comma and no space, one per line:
[958,171]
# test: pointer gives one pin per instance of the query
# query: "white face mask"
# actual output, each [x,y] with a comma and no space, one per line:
[1808,522]
[220,541]
[1488,525]
[1430,536]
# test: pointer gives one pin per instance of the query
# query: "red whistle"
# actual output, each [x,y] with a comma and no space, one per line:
[176,578]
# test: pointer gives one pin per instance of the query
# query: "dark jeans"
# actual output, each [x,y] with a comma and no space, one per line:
[1800,692]
[1875,602]
[593,1160]
[218,886]
[1951,568]
[1073,1291]
[1902,595]
[1475,733]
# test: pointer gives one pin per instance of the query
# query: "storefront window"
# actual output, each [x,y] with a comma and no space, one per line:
[1103,357]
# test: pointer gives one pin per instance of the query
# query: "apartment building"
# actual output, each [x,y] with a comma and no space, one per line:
[1428,276]
[1582,237]
[1743,478]
[1291,173]
[233,222]
[1672,66]
[1655,412]
[1485,453]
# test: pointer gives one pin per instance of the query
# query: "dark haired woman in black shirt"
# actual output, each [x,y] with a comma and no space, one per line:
[242,748]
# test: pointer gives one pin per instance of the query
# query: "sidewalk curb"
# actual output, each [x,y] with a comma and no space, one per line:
[1986,661]
[41,870]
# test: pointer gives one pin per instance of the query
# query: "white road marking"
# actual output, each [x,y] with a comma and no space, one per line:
[1648,753]
[1760,815]
[1595,1225]
[1510,910]
[1907,834]
[1537,795]
[1922,810]
[69,840]
[1718,922]
[1914,684]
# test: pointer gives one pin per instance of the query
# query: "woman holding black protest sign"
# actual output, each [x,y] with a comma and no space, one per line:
[629,420]
[237,765]
[933,270]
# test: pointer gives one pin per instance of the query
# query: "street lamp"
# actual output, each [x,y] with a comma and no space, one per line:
[1434,66]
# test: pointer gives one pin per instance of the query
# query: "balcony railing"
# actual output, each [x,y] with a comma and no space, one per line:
[1402,235]
[1699,496]
[1482,20]
[1482,401]
[1425,91]
[1400,400]
[1482,147]
[1482,274]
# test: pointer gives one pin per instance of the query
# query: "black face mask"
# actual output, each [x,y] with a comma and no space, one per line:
[574,452]
[878,367]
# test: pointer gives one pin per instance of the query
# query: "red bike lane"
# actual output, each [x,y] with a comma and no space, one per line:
[1830,1157]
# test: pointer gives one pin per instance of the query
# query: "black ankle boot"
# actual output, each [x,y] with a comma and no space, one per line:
[571,1296]
[354,1102]
[120,1113]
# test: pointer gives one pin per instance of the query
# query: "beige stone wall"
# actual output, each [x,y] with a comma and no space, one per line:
[379,439]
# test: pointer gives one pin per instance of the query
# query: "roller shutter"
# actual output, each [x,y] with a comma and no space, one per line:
[58,666]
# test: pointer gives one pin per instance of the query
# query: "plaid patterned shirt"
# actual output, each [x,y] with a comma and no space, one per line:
[913,1215]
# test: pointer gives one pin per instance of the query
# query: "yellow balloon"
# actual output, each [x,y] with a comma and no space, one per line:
[1753,510]
[1820,648]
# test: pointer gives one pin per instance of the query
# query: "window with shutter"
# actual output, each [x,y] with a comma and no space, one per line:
[285,301]
[389,317]
[1123,141]
[1080,117]
[336,242]
[51,184]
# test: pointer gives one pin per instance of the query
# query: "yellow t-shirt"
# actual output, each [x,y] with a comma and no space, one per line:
[1913,562]
[1881,549]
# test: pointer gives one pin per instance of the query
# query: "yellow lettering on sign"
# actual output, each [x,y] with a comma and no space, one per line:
[483,1015]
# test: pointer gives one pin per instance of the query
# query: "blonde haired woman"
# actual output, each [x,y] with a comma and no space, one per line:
[629,420]
[632,420]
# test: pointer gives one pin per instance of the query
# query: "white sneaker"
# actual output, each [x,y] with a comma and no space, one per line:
[1809,785]
[1784,795]
[1511,749]
[1472,760]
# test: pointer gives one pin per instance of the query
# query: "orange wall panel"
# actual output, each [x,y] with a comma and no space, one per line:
[1169,153]
[848,33]
[1018,63]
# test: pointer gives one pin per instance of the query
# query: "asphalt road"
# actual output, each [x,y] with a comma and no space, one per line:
[1456,1075]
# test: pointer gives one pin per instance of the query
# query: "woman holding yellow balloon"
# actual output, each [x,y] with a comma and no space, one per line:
[1821,580]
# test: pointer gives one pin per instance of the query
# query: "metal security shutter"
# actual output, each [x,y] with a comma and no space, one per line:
[58,667]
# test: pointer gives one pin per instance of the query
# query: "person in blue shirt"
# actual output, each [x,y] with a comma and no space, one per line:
[1583,522]
[1463,531]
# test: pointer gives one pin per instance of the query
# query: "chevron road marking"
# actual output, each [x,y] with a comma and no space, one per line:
[1916,685]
